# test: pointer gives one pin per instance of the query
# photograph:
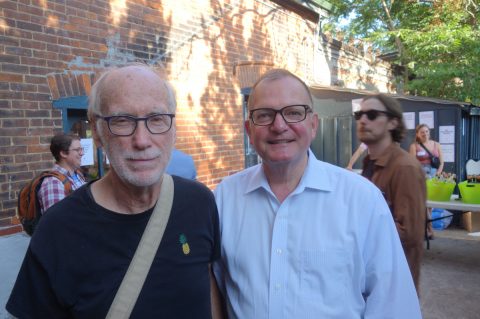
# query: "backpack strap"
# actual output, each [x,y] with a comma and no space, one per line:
[426,149]
[63,178]
[139,267]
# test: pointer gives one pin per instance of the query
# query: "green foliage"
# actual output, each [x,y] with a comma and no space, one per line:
[437,41]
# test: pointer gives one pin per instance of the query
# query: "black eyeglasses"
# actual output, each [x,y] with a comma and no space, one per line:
[78,149]
[125,125]
[371,114]
[290,113]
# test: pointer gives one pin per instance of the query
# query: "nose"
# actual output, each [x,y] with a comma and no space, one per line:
[279,123]
[141,136]
[362,118]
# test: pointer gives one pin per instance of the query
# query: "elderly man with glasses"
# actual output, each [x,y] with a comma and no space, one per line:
[68,152]
[83,247]
[395,172]
[302,238]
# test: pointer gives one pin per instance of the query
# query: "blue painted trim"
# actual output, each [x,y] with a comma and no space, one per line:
[101,170]
[65,120]
[73,102]
[246,91]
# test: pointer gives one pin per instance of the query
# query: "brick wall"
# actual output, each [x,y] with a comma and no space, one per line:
[44,42]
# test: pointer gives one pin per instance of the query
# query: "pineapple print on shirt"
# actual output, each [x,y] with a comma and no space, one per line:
[185,246]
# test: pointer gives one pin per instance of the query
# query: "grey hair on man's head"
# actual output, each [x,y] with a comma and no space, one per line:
[96,101]
[275,74]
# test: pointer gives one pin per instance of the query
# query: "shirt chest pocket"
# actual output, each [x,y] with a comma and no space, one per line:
[323,274]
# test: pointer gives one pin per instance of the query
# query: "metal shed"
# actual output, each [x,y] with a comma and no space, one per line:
[456,125]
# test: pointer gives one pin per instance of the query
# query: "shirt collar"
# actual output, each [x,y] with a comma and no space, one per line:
[62,170]
[316,176]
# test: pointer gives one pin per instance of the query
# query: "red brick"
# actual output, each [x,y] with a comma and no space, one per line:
[8,205]
[52,83]
[35,79]
[38,148]
[34,70]
[23,87]
[40,166]
[22,176]
[16,149]
[9,230]
[13,168]
[39,131]
[36,96]
[46,54]
[9,77]
[26,105]
[25,140]
[25,158]
[45,105]
[33,61]
[29,26]
[37,113]
[6,160]
[17,123]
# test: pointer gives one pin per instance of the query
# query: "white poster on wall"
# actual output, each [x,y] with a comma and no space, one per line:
[426,118]
[87,158]
[409,118]
[446,134]
[356,104]
[448,151]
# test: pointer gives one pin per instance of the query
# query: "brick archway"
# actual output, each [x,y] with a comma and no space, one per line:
[247,72]
[70,84]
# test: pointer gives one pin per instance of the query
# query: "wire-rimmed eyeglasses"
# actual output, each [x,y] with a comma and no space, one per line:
[125,125]
[290,114]
[78,149]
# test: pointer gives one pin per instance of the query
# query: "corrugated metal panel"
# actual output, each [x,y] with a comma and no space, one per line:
[334,139]
[474,151]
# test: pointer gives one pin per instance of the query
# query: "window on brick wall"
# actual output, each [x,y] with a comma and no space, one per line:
[251,156]
[75,120]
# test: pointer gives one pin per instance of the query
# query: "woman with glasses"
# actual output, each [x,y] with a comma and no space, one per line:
[68,152]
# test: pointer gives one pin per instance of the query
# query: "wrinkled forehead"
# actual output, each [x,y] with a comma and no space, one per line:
[136,85]
[282,91]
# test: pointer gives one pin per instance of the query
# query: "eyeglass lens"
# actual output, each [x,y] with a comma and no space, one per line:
[371,114]
[291,114]
[125,125]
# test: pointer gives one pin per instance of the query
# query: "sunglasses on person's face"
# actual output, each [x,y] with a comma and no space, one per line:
[371,114]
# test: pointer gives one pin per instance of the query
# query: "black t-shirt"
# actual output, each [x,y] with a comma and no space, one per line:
[80,253]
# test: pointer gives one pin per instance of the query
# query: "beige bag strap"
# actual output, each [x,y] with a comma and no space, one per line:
[139,267]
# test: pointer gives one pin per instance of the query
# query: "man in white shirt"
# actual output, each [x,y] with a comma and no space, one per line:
[301,238]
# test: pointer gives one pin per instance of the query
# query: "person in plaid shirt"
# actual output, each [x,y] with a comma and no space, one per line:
[68,152]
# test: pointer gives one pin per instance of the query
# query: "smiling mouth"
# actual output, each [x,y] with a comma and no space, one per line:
[280,142]
[141,159]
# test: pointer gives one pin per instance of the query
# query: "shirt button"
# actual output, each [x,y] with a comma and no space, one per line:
[279,251]
[278,286]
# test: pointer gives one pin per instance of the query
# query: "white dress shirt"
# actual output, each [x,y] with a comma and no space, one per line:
[330,250]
